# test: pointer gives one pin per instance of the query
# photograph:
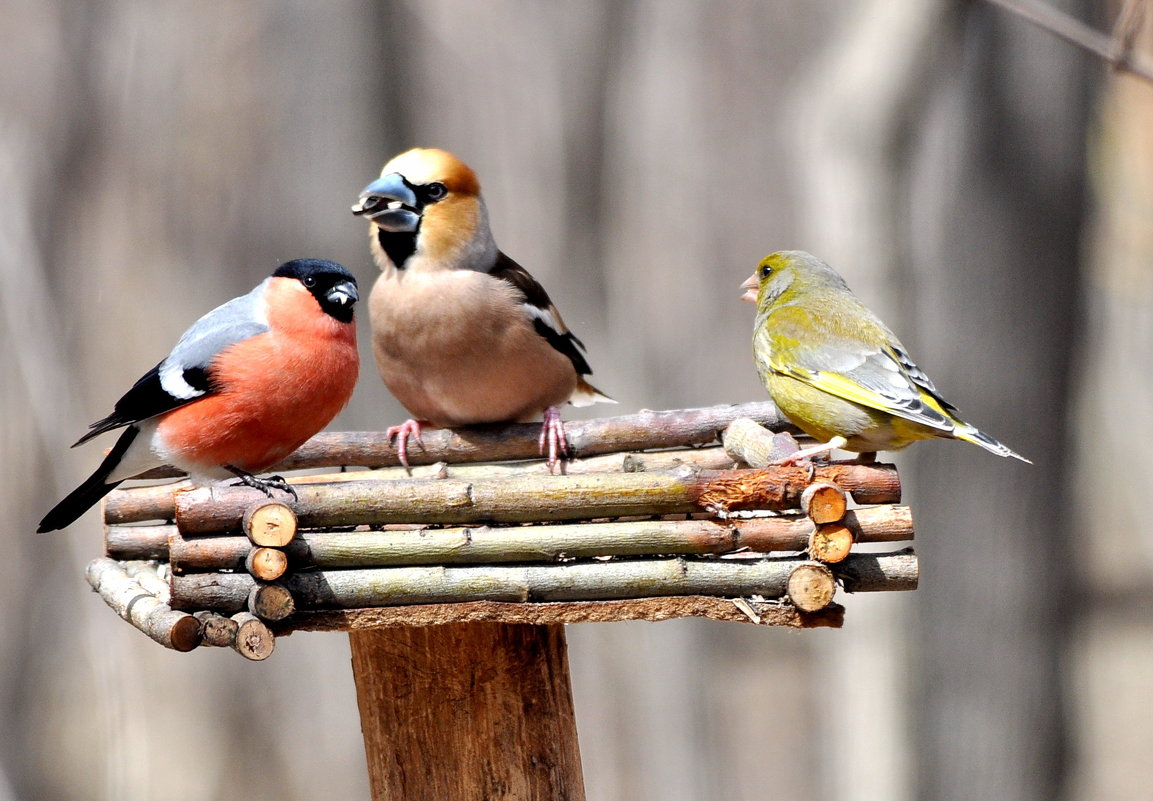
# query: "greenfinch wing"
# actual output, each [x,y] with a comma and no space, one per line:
[865,364]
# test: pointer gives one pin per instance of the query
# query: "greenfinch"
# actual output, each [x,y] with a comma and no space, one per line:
[837,371]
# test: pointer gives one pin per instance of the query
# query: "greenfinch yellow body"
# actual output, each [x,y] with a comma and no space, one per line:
[837,371]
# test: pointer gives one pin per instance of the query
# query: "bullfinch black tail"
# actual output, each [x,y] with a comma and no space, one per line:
[88,494]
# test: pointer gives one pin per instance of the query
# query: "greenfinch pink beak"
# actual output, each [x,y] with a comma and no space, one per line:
[750,286]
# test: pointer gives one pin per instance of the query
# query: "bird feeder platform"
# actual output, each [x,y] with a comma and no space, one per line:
[475,557]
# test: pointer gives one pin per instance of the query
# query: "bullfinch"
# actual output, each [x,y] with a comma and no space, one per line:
[461,333]
[244,387]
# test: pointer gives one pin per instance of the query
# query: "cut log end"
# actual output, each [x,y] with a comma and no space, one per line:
[269,524]
[184,633]
[824,503]
[266,564]
[253,640]
[831,543]
[219,631]
[811,587]
[271,602]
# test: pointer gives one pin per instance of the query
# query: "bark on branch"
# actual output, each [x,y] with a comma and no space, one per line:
[645,430]
[530,543]
[536,498]
[124,594]
[641,578]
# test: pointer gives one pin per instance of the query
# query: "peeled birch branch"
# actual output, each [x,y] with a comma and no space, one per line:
[500,443]
[176,630]
[640,578]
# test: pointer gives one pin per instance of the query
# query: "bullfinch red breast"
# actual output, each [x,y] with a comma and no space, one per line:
[461,333]
[244,387]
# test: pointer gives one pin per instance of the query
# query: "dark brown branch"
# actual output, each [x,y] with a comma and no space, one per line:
[765,613]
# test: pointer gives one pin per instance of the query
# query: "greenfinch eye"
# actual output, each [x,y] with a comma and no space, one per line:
[765,271]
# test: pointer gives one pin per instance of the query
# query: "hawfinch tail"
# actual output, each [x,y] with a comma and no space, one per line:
[462,334]
[244,387]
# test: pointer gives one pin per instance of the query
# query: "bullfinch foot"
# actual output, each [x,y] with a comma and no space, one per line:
[265,485]
[552,435]
[401,433]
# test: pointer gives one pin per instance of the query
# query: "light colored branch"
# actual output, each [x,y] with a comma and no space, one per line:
[640,578]
[1116,50]
[176,630]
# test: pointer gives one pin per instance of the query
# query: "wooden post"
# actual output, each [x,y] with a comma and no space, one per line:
[467,712]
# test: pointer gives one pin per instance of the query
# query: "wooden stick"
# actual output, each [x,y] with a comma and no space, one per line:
[830,542]
[704,458]
[138,542]
[766,613]
[640,578]
[540,498]
[869,572]
[824,503]
[175,630]
[1072,30]
[265,564]
[155,502]
[420,545]
[646,430]
[747,441]
[438,703]
[219,631]
[811,586]
[270,602]
[269,523]
[146,575]
[544,543]
[253,640]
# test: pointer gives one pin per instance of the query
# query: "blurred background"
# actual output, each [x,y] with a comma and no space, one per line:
[985,187]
